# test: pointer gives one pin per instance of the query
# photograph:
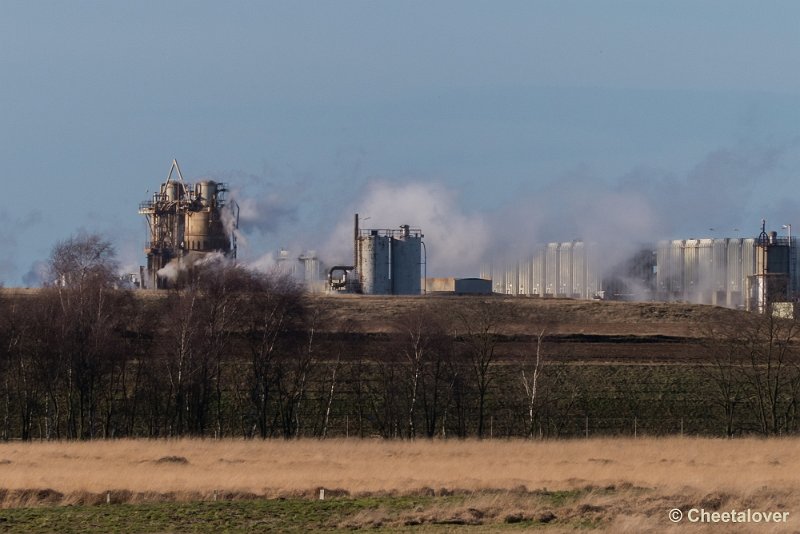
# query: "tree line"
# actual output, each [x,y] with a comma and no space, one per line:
[233,352]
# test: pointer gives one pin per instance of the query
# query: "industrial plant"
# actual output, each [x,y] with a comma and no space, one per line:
[187,223]
[742,273]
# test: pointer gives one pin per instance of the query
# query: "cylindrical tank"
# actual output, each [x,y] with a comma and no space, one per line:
[205,232]
[206,192]
[172,190]
[539,281]
[564,270]
[579,270]
[512,277]
[551,269]
[406,263]
[373,264]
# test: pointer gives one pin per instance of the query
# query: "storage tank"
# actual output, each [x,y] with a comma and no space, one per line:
[206,192]
[748,258]
[705,272]
[594,274]
[538,279]
[551,269]
[670,274]
[719,263]
[173,191]
[373,263]
[406,258]
[205,232]
[579,267]
[524,277]
[565,270]
[511,277]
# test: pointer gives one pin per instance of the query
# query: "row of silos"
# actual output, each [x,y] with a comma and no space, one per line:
[721,272]
[705,271]
[568,269]
[389,262]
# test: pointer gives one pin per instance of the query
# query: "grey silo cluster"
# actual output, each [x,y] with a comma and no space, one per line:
[388,262]
[385,262]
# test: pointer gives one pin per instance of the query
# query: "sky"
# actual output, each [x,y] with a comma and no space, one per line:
[490,125]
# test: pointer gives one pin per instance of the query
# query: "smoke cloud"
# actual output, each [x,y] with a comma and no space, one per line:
[36,275]
[619,213]
[455,240]
[11,229]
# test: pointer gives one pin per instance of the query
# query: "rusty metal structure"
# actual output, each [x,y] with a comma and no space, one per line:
[186,223]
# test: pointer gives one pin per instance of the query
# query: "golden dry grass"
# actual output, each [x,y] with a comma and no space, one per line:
[633,482]
[377,466]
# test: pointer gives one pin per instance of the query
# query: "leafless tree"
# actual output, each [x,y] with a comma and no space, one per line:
[420,333]
[754,360]
[479,328]
[530,380]
[82,259]
[83,271]
[723,368]
[294,369]
[274,311]
[769,346]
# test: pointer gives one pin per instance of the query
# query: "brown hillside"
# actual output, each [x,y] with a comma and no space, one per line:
[376,314]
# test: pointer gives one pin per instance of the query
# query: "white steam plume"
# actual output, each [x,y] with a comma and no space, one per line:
[455,240]
[175,267]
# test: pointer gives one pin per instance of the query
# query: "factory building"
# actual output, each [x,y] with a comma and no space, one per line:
[186,223]
[386,262]
[743,273]
[458,286]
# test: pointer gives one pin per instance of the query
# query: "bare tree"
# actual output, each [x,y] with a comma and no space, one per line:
[274,310]
[769,348]
[419,338]
[530,380]
[83,272]
[479,329]
[294,369]
[754,362]
[723,368]
[82,259]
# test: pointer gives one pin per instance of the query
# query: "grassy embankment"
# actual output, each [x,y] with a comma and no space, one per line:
[186,485]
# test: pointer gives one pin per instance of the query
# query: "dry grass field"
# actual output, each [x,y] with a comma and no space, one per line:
[526,315]
[615,485]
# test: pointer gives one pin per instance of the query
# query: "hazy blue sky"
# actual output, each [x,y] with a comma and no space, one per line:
[493,124]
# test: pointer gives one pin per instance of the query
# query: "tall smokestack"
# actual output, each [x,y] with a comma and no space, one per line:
[355,242]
